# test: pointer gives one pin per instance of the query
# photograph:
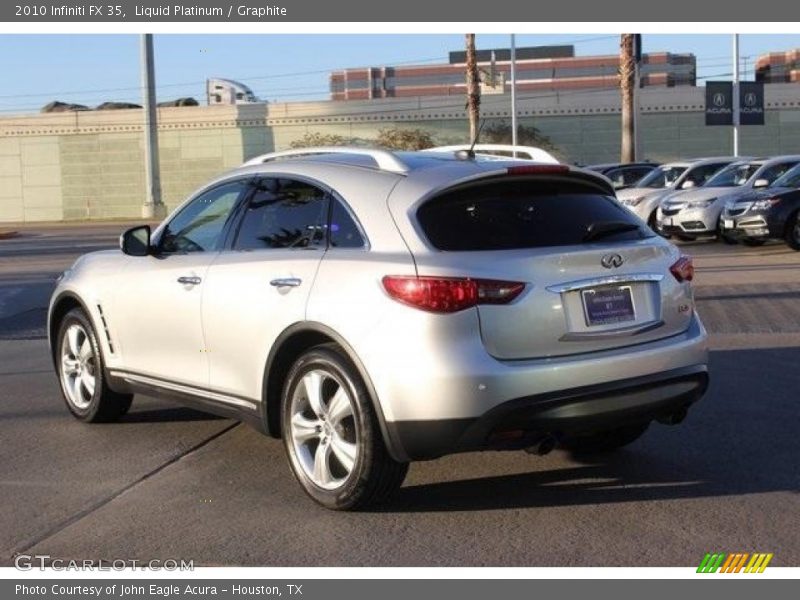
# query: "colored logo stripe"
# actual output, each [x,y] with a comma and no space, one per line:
[734,563]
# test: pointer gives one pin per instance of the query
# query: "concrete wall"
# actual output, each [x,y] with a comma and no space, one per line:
[89,165]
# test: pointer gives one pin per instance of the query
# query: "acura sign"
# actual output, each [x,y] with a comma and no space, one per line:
[719,103]
[751,103]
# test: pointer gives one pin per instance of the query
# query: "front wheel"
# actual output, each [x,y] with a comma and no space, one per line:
[332,435]
[793,231]
[606,441]
[79,363]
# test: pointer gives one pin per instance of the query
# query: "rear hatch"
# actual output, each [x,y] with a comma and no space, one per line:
[596,278]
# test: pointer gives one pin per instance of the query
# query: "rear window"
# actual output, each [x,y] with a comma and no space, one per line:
[512,215]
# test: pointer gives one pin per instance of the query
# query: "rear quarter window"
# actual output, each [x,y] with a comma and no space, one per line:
[521,214]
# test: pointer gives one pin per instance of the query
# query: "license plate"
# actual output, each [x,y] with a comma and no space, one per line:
[727,223]
[608,305]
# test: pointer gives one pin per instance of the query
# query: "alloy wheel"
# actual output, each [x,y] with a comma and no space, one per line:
[78,366]
[323,429]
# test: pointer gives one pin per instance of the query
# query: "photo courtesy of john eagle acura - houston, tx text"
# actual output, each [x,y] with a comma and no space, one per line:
[373,308]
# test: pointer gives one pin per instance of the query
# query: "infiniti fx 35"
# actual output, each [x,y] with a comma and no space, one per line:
[374,308]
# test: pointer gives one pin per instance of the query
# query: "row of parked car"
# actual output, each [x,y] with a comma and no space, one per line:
[734,199]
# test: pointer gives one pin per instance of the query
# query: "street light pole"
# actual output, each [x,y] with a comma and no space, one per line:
[514,93]
[735,99]
[153,207]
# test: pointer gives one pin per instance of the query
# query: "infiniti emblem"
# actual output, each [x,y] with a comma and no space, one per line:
[610,261]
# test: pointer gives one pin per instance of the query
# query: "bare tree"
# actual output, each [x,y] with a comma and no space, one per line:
[473,87]
[627,72]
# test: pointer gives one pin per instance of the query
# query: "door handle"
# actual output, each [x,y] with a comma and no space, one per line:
[189,280]
[286,282]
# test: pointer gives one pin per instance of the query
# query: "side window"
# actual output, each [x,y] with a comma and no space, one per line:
[635,174]
[344,231]
[284,213]
[617,176]
[772,173]
[198,227]
[702,174]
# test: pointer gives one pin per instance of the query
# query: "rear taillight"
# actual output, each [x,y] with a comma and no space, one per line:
[683,269]
[450,294]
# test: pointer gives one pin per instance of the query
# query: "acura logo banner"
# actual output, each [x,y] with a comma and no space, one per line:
[751,103]
[719,103]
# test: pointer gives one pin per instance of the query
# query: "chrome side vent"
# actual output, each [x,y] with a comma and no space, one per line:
[105,328]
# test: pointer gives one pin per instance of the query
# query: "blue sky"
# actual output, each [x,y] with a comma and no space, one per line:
[90,69]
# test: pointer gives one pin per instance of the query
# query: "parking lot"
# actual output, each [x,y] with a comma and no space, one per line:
[169,482]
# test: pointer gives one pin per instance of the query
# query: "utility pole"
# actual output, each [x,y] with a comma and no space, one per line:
[514,93]
[153,207]
[736,94]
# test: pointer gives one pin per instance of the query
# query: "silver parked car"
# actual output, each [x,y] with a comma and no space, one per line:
[373,308]
[645,198]
[696,213]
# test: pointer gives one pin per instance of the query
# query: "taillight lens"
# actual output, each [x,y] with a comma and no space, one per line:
[683,269]
[450,294]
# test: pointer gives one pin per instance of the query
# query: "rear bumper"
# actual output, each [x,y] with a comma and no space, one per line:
[521,422]
[580,393]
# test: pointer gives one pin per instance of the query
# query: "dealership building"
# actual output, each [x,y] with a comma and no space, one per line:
[545,68]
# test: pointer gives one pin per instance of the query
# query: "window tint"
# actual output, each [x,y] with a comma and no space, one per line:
[661,177]
[700,175]
[774,172]
[509,215]
[634,174]
[284,214]
[198,227]
[790,179]
[344,231]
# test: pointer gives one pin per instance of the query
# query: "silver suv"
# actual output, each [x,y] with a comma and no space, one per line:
[373,308]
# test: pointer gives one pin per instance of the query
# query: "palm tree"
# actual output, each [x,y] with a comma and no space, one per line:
[473,87]
[627,72]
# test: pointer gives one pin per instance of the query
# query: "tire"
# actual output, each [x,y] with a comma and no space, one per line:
[80,369]
[753,243]
[652,223]
[793,231]
[332,435]
[606,441]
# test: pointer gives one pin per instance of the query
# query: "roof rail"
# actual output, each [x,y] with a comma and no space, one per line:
[532,153]
[385,160]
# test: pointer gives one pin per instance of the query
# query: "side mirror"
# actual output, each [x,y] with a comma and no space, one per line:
[761,183]
[687,185]
[136,241]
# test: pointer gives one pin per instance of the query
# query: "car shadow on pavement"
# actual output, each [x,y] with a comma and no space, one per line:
[742,438]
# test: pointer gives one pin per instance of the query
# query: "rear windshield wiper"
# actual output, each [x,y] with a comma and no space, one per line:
[600,229]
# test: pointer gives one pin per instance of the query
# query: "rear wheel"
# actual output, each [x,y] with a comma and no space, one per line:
[80,371]
[606,441]
[793,231]
[332,435]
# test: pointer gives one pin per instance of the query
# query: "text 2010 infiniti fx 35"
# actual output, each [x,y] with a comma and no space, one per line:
[373,308]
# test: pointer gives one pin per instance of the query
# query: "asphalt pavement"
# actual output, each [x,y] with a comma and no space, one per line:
[169,482]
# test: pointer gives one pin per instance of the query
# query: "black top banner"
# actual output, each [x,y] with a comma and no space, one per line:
[719,103]
[751,103]
[611,11]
